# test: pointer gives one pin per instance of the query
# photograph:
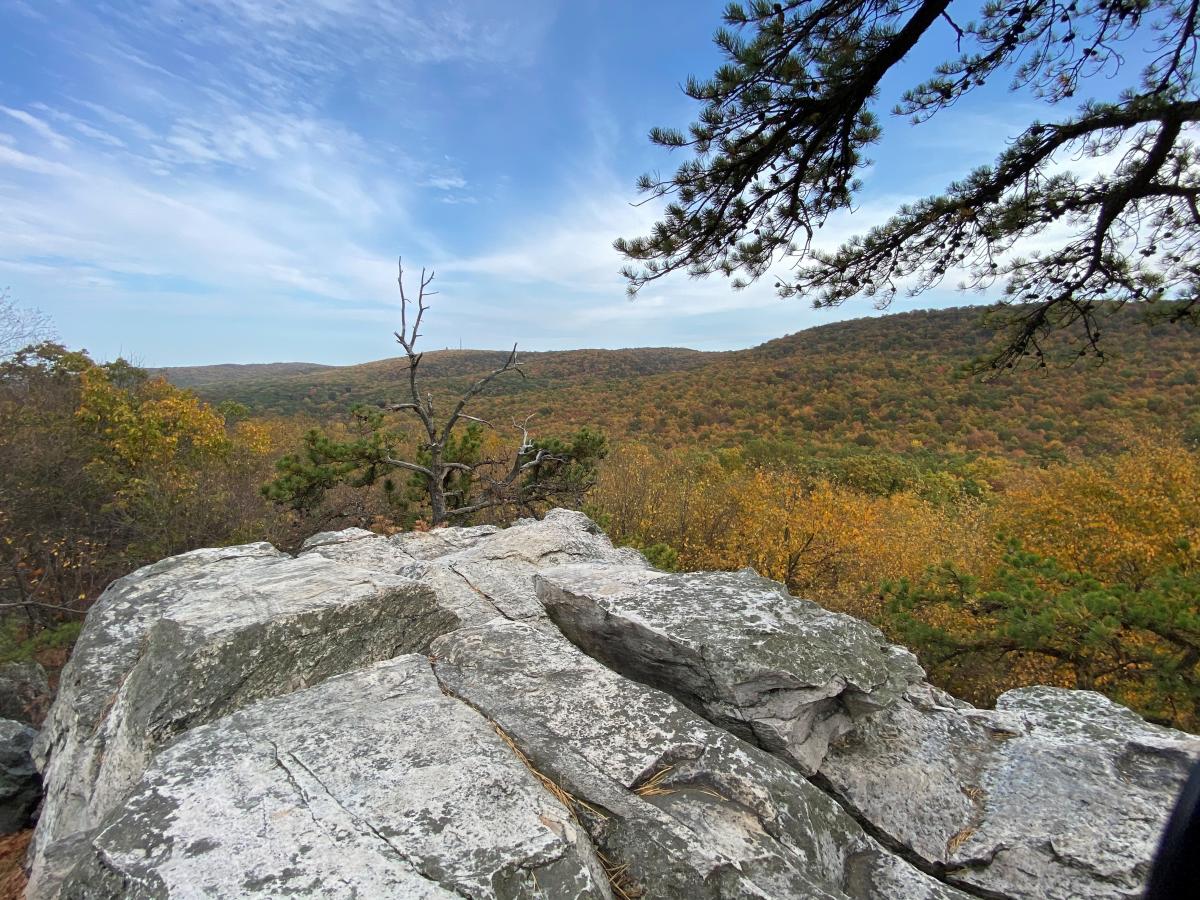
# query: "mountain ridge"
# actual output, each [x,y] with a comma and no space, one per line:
[900,382]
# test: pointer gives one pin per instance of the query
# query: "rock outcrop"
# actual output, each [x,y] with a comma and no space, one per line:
[24,692]
[1053,794]
[196,637]
[530,712]
[780,671]
[484,572]
[1053,790]
[688,809]
[372,784]
[20,784]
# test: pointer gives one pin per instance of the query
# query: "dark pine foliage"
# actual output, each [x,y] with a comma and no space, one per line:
[786,122]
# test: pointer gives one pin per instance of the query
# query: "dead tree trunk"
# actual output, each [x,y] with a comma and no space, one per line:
[437,436]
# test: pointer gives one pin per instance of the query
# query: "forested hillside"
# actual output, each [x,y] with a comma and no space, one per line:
[330,391]
[224,373]
[1039,527]
[899,383]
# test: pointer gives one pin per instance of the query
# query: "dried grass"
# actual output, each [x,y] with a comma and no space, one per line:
[959,839]
[652,786]
[972,793]
[12,859]
[565,797]
[620,881]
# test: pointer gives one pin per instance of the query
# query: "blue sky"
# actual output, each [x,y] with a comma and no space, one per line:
[187,182]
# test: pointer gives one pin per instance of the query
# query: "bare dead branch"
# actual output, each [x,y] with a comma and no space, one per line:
[412,467]
[477,419]
[473,391]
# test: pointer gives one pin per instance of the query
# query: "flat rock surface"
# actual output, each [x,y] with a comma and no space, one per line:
[373,784]
[783,672]
[1055,794]
[679,807]
[195,637]
[483,572]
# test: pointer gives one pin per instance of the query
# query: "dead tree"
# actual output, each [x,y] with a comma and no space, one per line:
[535,474]
[512,487]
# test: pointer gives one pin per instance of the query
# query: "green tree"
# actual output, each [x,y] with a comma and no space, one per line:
[450,470]
[1140,644]
[787,119]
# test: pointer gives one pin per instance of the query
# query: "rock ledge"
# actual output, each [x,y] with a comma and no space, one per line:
[530,712]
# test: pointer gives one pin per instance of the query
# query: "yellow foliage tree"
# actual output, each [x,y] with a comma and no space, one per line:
[103,469]
[823,539]
[1121,518]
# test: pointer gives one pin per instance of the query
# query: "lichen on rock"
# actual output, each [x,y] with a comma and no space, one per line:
[780,671]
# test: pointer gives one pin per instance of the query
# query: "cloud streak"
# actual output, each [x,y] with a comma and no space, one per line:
[231,182]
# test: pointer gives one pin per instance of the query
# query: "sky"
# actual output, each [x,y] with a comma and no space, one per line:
[186,182]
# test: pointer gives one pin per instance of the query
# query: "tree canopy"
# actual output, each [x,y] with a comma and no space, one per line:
[781,139]
[103,469]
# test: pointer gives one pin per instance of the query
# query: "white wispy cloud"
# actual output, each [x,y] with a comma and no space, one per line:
[38,126]
[212,162]
[257,160]
[27,162]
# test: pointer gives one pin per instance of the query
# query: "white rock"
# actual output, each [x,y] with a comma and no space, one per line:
[195,637]
[373,784]
[782,672]
[688,810]
[1056,794]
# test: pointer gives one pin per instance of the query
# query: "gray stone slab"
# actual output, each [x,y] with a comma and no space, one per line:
[370,785]
[688,810]
[1056,794]
[784,672]
[193,638]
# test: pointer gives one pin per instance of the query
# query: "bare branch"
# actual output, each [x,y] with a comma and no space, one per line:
[473,391]
[39,605]
[530,476]
[476,419]
[412,467]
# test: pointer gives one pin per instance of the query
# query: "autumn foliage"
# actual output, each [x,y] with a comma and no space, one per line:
[834,536]
[1085,573]
[1041,528]
[103,469]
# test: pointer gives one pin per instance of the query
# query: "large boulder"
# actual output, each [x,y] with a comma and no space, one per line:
[782,672]
[20,784]
[373,784]
[1056,794]
[678,807]
[24,692]
[195,637]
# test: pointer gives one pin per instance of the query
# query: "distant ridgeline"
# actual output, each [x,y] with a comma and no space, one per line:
[897,382]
